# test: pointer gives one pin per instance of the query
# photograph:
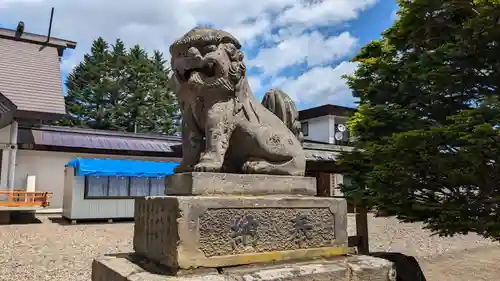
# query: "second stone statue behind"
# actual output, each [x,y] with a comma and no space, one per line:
[224,128]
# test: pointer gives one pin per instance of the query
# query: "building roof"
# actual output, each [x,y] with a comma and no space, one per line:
[67,137]
[30,75]
[108,141]
[325,110]
[37,39]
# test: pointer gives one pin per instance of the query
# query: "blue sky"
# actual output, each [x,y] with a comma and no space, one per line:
[300,46]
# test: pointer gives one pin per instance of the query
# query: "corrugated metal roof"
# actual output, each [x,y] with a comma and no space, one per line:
[101,141]
[30,77]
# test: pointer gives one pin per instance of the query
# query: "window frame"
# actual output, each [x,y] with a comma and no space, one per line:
[129,187]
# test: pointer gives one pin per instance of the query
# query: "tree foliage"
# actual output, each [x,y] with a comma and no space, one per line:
[124,90]
[427,127]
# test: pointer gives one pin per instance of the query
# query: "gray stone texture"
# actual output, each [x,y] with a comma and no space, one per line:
[197,183]
[349,268]
[264,230]
[208,231]
[224,127]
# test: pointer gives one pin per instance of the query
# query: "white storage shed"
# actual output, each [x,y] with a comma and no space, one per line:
[106,188]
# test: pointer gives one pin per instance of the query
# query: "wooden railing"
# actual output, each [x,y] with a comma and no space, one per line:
[24,199]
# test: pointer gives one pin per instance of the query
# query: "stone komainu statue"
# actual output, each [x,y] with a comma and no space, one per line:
[224,128]
[283,106]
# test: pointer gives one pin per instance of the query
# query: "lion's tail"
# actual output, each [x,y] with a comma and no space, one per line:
[283,106]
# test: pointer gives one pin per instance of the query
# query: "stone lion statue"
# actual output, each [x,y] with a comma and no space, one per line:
[224,127]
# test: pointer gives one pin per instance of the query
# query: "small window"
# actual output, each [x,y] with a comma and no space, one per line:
[122,187]
[118,186]
[96,186]
[157,186]
[139,187]
[305,128]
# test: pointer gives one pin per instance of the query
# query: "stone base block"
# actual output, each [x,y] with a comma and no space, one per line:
[208,231]
[238,184]
[349,268]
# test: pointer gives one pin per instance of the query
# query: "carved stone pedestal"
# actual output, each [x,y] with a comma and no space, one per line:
[345,268]
[228,225]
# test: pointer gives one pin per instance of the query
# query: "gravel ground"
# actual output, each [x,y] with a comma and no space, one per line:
[57,252]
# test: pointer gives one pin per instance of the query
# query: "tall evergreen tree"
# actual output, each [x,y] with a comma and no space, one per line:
[118,89]
[427,126]
[88,86]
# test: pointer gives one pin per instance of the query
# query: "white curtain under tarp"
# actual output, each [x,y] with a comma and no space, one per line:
[97,186]
[118,186]
[139,186]
[157,186]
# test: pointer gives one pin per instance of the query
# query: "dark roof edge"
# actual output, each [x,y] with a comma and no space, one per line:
[37,39]
[5,100]
[325,110]
[85,131]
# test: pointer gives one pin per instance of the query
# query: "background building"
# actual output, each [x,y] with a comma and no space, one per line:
[30,91]
[326,124]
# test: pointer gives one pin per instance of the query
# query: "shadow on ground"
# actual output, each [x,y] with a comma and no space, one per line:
[23,218]
[407,267]
[67,222]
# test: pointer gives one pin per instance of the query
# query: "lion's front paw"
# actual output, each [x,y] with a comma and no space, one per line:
[208,167]
[255,167]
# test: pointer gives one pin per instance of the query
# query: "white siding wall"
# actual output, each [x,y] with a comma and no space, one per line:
[331,129]
[323,128]
[48,167]
[318,129]
[68,190]
[4,141]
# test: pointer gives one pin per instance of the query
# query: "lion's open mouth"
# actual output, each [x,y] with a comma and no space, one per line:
[208,71]
[207,74]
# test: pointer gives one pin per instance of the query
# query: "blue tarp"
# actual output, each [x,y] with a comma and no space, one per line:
[123,168]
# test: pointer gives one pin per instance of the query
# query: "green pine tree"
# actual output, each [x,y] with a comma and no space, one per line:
[88,87]
[427,125]
[124,90]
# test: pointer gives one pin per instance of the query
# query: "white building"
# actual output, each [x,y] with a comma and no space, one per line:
[31,93]
[45,150]
[326,124]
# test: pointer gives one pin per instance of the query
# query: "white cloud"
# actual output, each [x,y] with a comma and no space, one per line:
[154,24]
[319,85]
[245,32]
[254,83]
[314,12]
[312,48]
